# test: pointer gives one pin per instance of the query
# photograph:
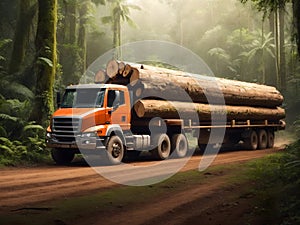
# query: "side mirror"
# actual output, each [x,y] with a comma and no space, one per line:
[58,99]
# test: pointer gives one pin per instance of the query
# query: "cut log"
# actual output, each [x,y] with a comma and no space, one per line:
[121,67]
[100,77]
[134,76]
[112,68]
[203,89]
[176,110]
[127,70]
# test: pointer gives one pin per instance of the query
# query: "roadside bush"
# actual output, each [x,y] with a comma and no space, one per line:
[21,142]
[277,185]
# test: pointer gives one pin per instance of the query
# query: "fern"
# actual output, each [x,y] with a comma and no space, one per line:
[8,117]
[3,132]
[6,151]
[33,127]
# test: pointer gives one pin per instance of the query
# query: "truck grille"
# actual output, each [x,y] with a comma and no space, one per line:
[65,129]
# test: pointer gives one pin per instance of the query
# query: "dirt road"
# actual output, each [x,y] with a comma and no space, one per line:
[22,187]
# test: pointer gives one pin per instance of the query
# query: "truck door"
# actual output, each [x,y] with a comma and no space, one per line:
[118,109]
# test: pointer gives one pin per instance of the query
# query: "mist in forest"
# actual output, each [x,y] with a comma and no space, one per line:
[219,31]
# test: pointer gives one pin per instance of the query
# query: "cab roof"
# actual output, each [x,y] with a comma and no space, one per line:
[92,86]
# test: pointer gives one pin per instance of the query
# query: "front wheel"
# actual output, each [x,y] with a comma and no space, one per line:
[62,156]
[115,150]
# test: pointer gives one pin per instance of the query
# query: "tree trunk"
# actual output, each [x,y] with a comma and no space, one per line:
[277,58]
[282,49]
[270,62]
[296,17]
[26,14]
[72,17]
[182,110]
[82,36]
[45,67]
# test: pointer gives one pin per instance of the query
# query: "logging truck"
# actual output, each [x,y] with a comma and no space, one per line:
[114,117]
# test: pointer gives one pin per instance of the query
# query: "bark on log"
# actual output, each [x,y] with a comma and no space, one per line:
[112,68]
[100,77]
[176,85]
[176,110]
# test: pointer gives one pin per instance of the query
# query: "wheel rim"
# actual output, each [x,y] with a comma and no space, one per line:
[164,146]
[181,146]
[116,150]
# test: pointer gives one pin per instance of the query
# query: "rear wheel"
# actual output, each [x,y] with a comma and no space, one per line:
[115,150]
[251,142]
[262,139]
[179,145]
[271,139]
[62,156]
[163,149]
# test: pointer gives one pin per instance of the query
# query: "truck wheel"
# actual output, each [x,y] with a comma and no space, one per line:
[251,142]
[179,145]
[115,150]
[62,156]
[163,149]
[270,139]
[262,139]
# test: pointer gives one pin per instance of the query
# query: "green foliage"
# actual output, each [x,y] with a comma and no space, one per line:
[296,126]
[21,141]
[27,150]
[277,180]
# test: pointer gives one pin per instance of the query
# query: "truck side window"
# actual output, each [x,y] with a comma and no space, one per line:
[111,98]
[122,98]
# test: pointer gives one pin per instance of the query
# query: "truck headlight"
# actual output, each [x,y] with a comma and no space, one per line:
[86,135]
[49,135]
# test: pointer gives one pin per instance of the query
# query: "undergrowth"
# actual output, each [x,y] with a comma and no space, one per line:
[277,186]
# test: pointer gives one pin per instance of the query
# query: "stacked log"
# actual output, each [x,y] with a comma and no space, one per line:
[172,110]
[158,90]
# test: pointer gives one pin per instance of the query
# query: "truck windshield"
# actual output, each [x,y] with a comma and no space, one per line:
[83,98]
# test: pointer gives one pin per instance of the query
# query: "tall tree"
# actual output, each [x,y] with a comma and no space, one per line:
[120,11]
[26,13]
[278,7]
[45,66]
[296,15]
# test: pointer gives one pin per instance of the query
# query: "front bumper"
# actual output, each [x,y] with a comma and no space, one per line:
[81,143]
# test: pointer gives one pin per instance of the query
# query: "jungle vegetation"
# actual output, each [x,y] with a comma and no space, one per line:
[46,45]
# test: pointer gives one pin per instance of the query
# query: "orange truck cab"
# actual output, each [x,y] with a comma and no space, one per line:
[97,117]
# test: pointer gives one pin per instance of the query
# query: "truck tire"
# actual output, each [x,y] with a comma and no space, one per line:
[114,150]
[251,142]
[262,139]
[62,156]
[163,149]
[271,139]
[179,145]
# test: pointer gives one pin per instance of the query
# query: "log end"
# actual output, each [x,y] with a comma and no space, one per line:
[139,109]
[100,77]
[112,68]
